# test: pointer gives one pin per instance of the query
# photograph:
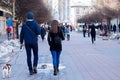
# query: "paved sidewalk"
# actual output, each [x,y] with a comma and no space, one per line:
[80,60]
[2,38]
[5,55]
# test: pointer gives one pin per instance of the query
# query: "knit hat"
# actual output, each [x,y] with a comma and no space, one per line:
[30,15]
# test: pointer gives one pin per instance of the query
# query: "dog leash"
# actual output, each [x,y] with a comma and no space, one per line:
[16,55]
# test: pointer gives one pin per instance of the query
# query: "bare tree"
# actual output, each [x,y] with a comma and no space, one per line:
[42,14]
[6,4]
[119,7]
[93,17]
[103,12]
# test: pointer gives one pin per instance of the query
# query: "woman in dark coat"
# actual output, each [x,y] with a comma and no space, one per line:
[55,48]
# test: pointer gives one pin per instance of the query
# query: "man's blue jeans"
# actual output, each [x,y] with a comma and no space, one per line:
[55,57]
[32,47]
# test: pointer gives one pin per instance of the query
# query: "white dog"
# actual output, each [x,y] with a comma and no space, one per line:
[6,70]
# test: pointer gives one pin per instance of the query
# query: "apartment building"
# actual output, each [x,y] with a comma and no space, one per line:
[80,10]
[60,9]
[114,4]
[5,10]
[5,7]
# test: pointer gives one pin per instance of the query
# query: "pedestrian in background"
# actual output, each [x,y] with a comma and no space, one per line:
[67,31]
[114,28]
[55,44]
[43,32]
[88,30]
[29,32]
[8,30]
[93,33]
[84,30]
[119,27]
[62,27]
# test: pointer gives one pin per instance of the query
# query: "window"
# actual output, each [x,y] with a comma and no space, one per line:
[77,10]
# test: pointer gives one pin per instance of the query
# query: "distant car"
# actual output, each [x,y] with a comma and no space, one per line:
[80,26]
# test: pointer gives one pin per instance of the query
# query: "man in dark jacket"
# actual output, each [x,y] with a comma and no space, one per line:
[43,32]
[93,33]
[119,27]
[29,32]
[114,28]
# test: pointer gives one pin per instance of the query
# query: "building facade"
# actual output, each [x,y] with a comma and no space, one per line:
[80,10]
[5,7]
[5,10]
[60,9]
[110,4]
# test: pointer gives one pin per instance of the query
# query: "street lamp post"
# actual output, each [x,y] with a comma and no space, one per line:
[15,27]
[13,9]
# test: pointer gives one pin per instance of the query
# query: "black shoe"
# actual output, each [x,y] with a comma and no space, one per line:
[55,71]
[35,70]
[31,72]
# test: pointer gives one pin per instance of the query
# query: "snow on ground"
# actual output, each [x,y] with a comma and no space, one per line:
[9,46]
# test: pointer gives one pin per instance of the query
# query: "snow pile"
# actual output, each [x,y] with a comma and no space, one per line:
[9,47]
[47,67]
[115,36]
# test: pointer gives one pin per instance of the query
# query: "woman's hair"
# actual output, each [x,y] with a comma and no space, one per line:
[54,26]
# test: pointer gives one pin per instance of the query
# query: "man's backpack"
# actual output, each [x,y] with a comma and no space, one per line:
[57,39]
